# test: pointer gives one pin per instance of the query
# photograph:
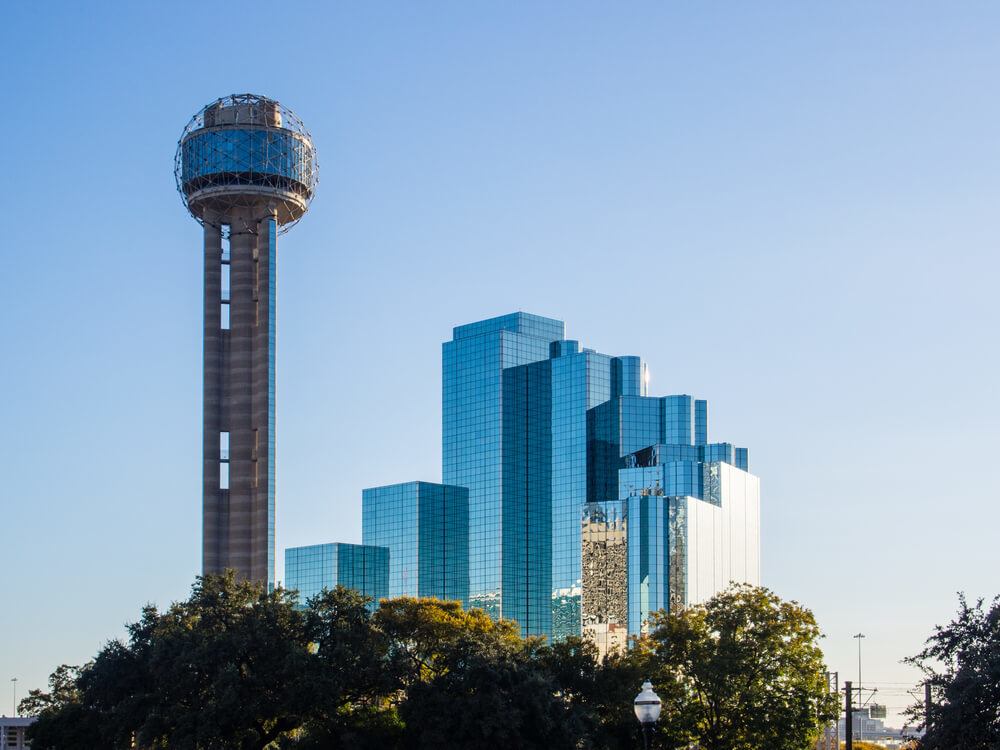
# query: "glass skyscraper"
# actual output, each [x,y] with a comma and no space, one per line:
[472,431]
[425,526]
[309,570]
[684,514]
[544,435]
[573,503]
[544,479]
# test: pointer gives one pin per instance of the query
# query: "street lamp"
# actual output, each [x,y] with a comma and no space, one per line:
[647,710]
[858,637]
[13,681]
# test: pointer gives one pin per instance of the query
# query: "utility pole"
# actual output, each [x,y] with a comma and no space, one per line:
[849,715]
[831,732]
[13,681]
[927,706]
[861,697]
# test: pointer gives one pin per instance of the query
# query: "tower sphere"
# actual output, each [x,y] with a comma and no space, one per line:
[244,151]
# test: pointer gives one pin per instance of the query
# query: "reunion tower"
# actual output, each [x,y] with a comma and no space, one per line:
[246,170]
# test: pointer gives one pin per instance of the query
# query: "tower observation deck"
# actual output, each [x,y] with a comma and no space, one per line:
[246,170]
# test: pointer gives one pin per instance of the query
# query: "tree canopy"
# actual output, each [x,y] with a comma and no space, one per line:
[235,666]
[743,671]
[961,661]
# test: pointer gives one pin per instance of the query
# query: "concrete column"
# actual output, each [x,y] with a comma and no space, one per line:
[213,356]
[241,386]
[262,406]
[239,398]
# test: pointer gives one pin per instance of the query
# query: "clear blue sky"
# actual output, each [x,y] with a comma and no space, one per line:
[789,209]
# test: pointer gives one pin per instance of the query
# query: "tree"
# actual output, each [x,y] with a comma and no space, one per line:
[223,669]
[602,691]
[742,671]
[235,666]
[465,680]
[961,661]
[489,694]
[63,721]
[63,692]
[421,632]
[351,676]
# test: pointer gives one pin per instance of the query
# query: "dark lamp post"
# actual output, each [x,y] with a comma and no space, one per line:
[647,710]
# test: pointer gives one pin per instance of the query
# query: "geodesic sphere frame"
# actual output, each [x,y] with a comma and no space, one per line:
[243,150]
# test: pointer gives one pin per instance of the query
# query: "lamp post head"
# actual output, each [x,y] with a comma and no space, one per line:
[647,705]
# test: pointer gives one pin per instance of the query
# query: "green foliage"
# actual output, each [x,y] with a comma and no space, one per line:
[490,694]
[235,666]
[423,631]
[62,692]
[743,671]
[349,677]
[63,720]
[961,661]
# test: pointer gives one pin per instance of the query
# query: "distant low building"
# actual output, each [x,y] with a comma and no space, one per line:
[364,568]
[13,732]
[426,528]
[865,727]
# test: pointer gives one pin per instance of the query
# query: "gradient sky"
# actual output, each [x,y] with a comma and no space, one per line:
[789,209]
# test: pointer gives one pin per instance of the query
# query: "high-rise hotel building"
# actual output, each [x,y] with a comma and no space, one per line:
[561,451]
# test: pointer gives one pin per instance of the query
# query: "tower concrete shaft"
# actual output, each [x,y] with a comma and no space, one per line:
[238,479]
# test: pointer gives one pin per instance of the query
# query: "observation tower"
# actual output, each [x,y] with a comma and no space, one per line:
[246,170]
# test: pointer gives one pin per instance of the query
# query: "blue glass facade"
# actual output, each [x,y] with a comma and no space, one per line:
[545,480]
[425,526]
[573,503]
[648,517]
[539,431]
[659,489]
[472,431]
[252,156]
[629,551]
[649,458]
[580,381]
[627,425]
[309,570]
[526,508]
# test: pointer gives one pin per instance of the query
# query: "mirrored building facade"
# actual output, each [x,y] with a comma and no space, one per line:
[544,479]
[472,431]
[688,509]
[574,503]
[425,526]
[309,570]
[580,484]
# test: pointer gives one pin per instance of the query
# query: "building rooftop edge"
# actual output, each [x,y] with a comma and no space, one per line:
[510,322]
[334,544]
[416,482]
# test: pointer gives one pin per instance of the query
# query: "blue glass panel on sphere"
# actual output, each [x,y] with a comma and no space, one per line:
[247,151]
